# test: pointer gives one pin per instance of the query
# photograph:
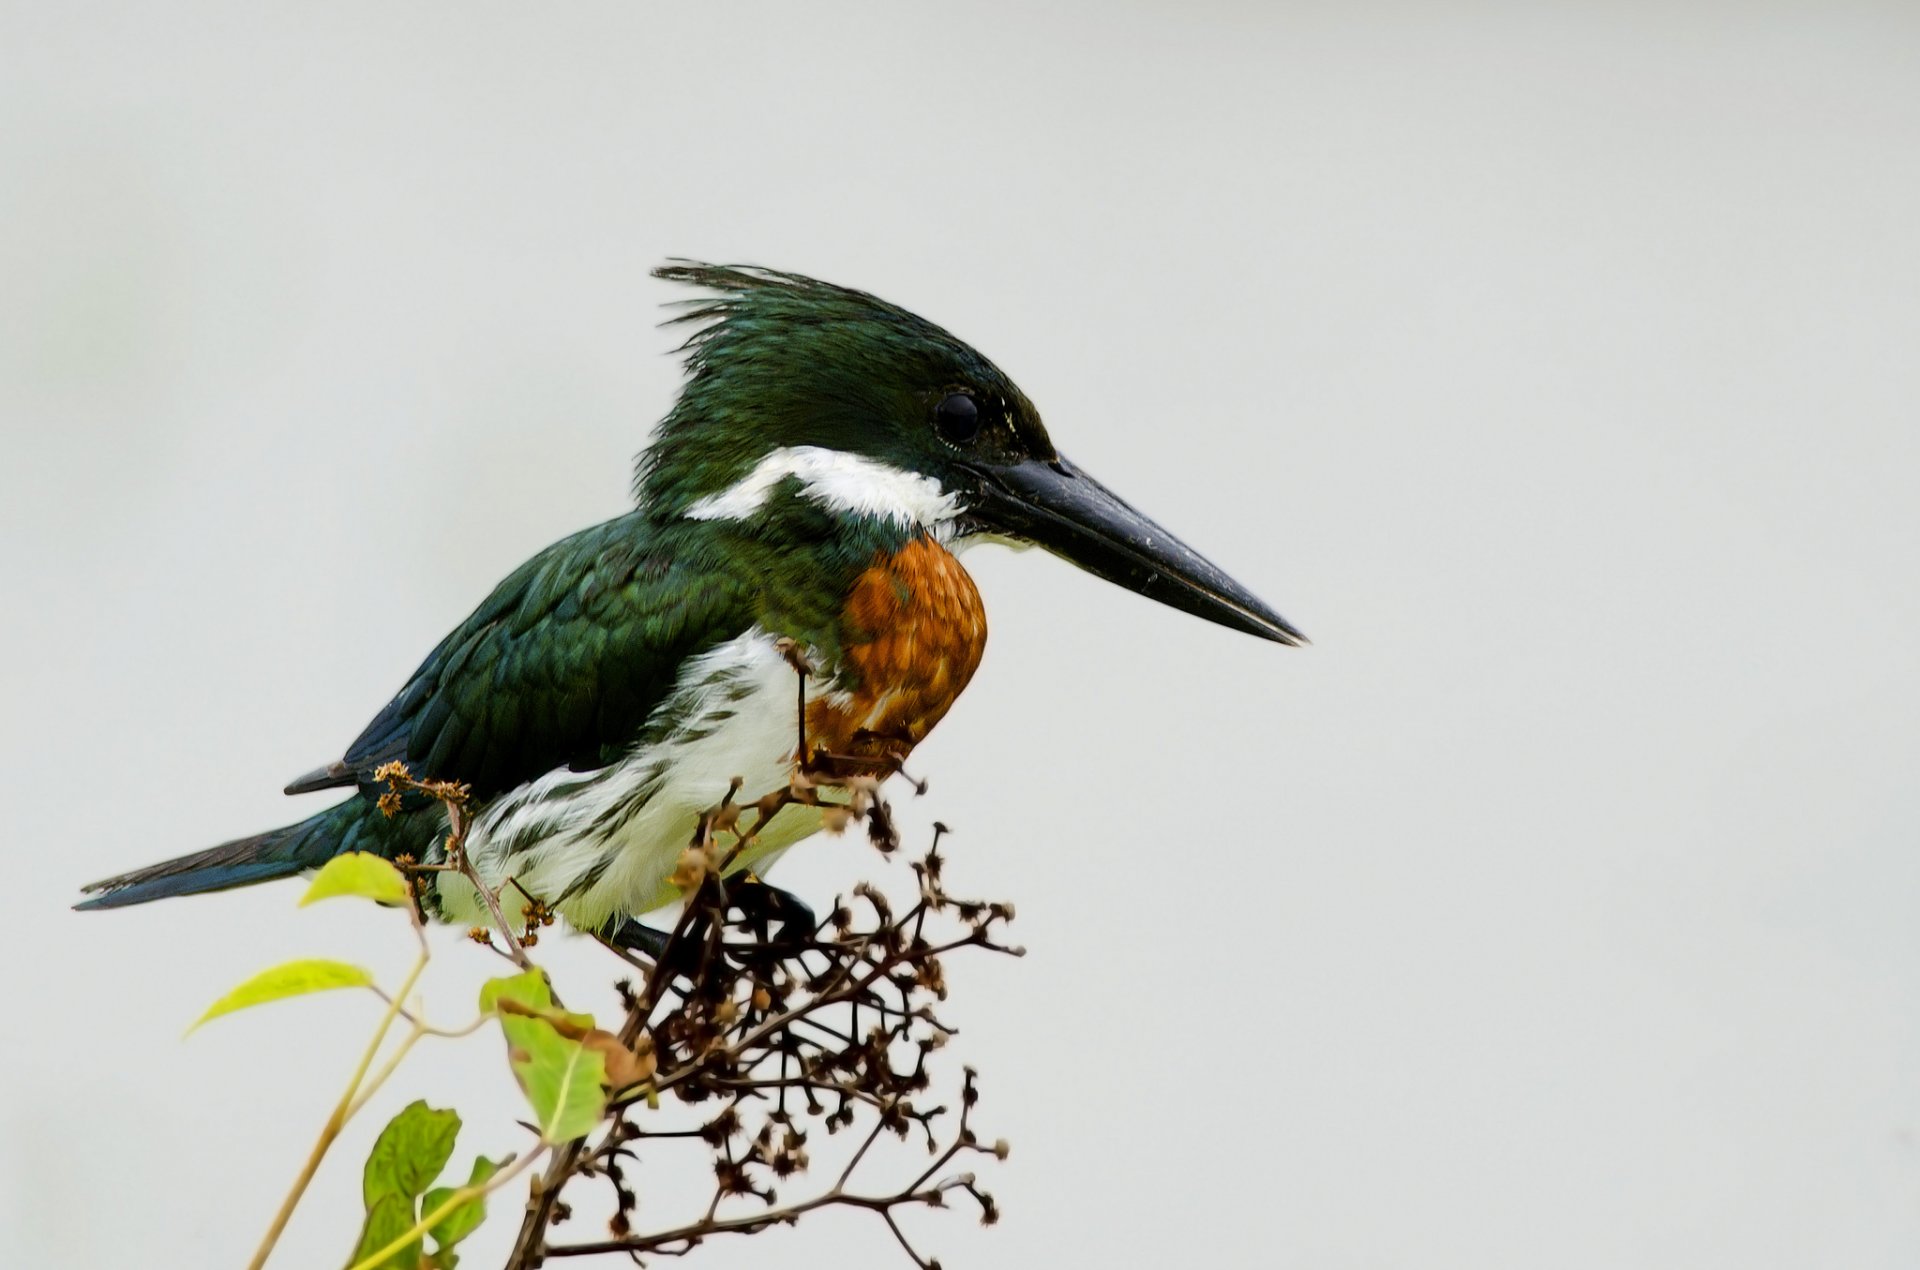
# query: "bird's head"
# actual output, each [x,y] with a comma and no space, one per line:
[798,389]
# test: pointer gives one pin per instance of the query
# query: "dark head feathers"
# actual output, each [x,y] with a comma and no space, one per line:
[777,358]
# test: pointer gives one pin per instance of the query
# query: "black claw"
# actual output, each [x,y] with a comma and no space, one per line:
[765,906]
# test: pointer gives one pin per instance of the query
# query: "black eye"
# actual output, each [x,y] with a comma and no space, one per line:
[957,417]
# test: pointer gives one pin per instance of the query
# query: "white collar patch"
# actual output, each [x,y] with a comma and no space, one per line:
[847,483]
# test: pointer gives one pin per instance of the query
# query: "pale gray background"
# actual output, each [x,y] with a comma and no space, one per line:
[1554,370]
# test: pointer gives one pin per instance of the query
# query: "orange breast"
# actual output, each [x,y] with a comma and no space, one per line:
[913,632]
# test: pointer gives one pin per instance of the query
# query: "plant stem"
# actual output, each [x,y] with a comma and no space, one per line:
[338,1120]
[372,1086]
[458,824]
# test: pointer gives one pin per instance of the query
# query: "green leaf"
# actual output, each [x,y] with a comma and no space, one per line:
[409,1154]
[359,873]
[529,988]
[465,1219]
[390,1217]
[563,1079]
[292,979]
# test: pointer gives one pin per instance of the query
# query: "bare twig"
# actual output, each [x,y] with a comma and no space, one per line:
[454,797]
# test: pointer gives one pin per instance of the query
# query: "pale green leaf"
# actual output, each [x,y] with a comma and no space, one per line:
[530,991]
[292,979]
[529,988]
[359,873]
[563,1079]
[465,1219]
[409,1153]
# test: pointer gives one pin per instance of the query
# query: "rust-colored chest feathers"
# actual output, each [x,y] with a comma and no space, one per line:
[912,633]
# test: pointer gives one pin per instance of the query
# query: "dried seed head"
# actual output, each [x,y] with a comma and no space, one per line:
[692,869]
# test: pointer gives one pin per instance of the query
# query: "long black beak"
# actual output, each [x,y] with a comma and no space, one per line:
[1053,504]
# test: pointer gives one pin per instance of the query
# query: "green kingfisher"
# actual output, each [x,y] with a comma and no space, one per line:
[828,458]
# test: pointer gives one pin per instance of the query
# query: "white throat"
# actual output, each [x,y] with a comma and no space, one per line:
[840,482]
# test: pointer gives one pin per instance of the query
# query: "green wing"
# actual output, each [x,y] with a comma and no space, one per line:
[562,664]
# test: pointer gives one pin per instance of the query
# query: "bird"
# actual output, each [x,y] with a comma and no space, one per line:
[805,502]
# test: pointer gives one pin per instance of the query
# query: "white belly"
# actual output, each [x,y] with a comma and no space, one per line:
[599,845]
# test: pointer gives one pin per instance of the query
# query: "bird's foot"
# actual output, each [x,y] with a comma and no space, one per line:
[777,918]
[765,907]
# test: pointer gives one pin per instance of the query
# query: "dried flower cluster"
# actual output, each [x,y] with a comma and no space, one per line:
[786,1034]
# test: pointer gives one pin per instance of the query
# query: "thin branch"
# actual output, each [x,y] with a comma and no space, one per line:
[341,1112]
[458,824]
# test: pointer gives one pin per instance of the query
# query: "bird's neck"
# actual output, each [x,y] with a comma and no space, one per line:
[745,487]
[820,533]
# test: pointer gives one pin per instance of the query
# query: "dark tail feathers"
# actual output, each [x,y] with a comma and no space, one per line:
[278,853]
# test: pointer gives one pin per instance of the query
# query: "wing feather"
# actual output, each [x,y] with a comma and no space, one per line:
[560,666]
